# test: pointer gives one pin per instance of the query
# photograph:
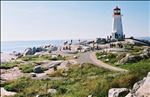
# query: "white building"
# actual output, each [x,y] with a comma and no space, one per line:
[117,30]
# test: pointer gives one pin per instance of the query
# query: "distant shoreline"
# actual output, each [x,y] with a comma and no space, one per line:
[10,46]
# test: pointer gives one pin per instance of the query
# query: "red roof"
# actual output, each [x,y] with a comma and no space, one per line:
[116,8]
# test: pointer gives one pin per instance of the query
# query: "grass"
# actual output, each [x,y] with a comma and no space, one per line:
[144,63]
[136,50]
[9,65]
[78,82]
[25,68]
[40,58]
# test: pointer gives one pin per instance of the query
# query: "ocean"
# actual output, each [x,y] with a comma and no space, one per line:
[10,46]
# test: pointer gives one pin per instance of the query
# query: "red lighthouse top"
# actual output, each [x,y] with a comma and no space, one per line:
[117,11]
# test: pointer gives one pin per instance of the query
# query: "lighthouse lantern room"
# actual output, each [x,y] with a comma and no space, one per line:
[117,30]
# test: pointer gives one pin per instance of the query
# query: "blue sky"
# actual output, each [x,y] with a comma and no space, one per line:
[50,20]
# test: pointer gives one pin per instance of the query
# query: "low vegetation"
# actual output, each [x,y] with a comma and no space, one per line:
[80,81]
[114,58]
[9,65]
[25,68]
[43,57]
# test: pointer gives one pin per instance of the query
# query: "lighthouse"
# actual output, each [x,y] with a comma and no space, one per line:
[117,30]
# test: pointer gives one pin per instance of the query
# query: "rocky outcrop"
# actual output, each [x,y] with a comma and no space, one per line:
[114,92]
[145,53]
[135,58]
[17,54]
[52,91]
[37,51]
[141,88]
[129,59]
[28,51]
[37,69]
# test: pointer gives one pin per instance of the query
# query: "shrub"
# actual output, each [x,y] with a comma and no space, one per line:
[119,57]
[44,68]
[27,68]
[110,55]
[128,81]
[9,65]
[10,88]
[62,90]
[57,73]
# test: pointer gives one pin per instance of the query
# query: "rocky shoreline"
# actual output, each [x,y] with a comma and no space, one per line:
[72,50]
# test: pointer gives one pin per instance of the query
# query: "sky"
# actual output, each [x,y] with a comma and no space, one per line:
[57,20]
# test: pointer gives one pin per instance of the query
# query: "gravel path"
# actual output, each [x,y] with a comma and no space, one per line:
[90,57]
[84,57]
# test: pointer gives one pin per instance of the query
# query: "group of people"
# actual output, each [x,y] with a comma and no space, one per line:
[113,45]
[120,45]
[66,48]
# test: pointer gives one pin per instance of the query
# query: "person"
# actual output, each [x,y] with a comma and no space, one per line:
[71,41]
[79,40]
[60,48]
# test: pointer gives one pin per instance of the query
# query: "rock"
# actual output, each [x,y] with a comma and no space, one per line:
[65,42]
[38,96]
[28,51]
[114,92]
[2,79]
[54,57]
[98,40]
[54,48]
[145,53]
[52,91]
[65,74]
[107,60]
[81,65]
[129,59]
[32,74]
[66,69]
[41,53]
[99,57]
[49,51]
[79,48]
[90,96]
[18,54]
[37,69]
[54,64]
[103,56]
[12,59]
[72,62]
[75,57]
[38,49]
[38,53]
[34,49]
[141,88]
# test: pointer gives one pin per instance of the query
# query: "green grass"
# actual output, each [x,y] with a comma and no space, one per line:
[40,58]
[144,63]
[9,65]
[77,83]
[25,68]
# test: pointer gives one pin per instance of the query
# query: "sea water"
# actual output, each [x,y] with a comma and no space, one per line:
[10,46]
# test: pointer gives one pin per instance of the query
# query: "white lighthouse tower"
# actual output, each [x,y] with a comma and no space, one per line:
[117,30]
